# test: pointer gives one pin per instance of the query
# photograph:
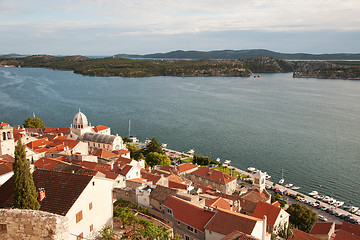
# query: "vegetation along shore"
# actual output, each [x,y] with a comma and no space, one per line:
[123,67]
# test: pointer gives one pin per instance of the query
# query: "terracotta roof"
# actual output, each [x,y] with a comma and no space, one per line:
[214,175]
[207,189]
[40,149]
[272,212]
[189,213]
[103,168]
[45,162]
[351,228]
[218,203]
[121,152]
[4,124]
[300,235]
[122,160]
[56,130]
[185,167]
[225,222]
[69,143]
[7,157]
[177,185]
[175,178]
[344,235]
[103,153]
[5,167]
[150,177]
[39,143]
[100,128]
[237,235]
[62,190]
[322,228]
[277,204]
[138,180]
[123,170]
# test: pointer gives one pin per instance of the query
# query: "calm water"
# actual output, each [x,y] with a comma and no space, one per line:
[308,127]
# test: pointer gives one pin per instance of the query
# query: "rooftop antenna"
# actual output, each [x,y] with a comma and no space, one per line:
[79,109]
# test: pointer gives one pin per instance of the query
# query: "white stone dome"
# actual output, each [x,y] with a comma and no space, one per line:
[80,120]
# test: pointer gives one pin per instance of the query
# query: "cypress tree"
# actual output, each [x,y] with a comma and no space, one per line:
[25,194]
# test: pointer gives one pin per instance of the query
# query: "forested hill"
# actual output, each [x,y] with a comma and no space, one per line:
[123,67]
[243,54]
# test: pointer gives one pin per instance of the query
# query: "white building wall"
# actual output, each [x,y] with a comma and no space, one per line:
[133,173]
[211,235]
[258,230]
[143,196]
[282,220]
[99,193]
[82,148]
[5,177]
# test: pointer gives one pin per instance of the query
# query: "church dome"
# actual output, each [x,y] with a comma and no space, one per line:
[80,120]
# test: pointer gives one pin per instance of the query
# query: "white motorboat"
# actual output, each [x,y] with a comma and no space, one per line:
[282,181]
[313,193]
[267,176]
[289,185]
[251,169]
[320,197]
[295,188]
[191,151]
[164,145]
[326,199]
[227,162]
[218,159]
[332,201]
[339,203]
[358,213]
[353,209]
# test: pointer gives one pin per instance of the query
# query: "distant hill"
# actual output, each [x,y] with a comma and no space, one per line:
[243,54]
[12,55]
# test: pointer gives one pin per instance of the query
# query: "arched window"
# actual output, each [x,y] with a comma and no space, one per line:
[4,135]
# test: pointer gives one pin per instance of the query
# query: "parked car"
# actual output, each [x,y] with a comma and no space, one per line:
[322,218]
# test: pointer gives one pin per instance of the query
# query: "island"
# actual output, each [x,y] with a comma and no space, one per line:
[125,67]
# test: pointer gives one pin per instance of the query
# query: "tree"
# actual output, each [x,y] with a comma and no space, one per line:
[153,146]
[285,231]
[155,158]
[301,217]
[107,233]
[34,122]
[201,160]
[25,194]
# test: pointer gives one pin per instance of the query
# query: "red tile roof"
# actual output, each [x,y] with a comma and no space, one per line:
[207,189]
[185,167]
[7,157]
[62,190]
[121,152]
[56,130]
[69,143]
[122,160]
[45,162]
[189,213]
[4,124]
[272,212]
[300,235]
[100,128]
[39,143]
[277,204]
[5,167]
[225,222]
[103,153]
[237,235]
[351,228]
[103,168]
[344,235]
[154,178]
[218,203]
[177,185]
[214,175]
[322,228]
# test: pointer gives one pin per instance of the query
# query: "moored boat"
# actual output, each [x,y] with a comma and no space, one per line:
[282,181]
[339,203]
[313,193]
[295,188]
[289,185]
[251,169]
[353,209]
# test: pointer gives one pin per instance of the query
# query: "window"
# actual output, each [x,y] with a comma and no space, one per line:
[187,237]
[91,227]
[178,222]
[90,206]
[79,216]
[169,211]
[190,228]
[80,236]
[3,228]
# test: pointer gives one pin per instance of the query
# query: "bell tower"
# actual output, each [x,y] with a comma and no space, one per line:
[7,144]
[259,181]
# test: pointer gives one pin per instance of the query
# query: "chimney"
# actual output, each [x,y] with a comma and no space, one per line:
[264,228]
[112,166]
[41,194]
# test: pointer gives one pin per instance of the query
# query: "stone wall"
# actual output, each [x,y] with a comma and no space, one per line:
[32,225]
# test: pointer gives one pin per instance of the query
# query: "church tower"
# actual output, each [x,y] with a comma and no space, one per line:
[7,144]
[79,127]
[259,181]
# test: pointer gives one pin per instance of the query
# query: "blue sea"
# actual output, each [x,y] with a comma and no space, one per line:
[308,127]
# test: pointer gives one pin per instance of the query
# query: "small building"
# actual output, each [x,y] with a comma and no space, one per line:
[323,230]
[7,142]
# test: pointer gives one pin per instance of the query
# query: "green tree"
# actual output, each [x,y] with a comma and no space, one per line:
[25,194]
[301,217]
[107,233]
[201,160]
[155,158]
[34,122]
[152,232]
[178,237]
[153,146]
[285,231]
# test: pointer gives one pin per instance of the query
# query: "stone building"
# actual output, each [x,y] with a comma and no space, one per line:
[7,142]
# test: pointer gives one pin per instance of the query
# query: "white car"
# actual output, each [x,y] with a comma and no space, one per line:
[322,218]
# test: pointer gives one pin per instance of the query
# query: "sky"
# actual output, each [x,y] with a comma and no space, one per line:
[108,27]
